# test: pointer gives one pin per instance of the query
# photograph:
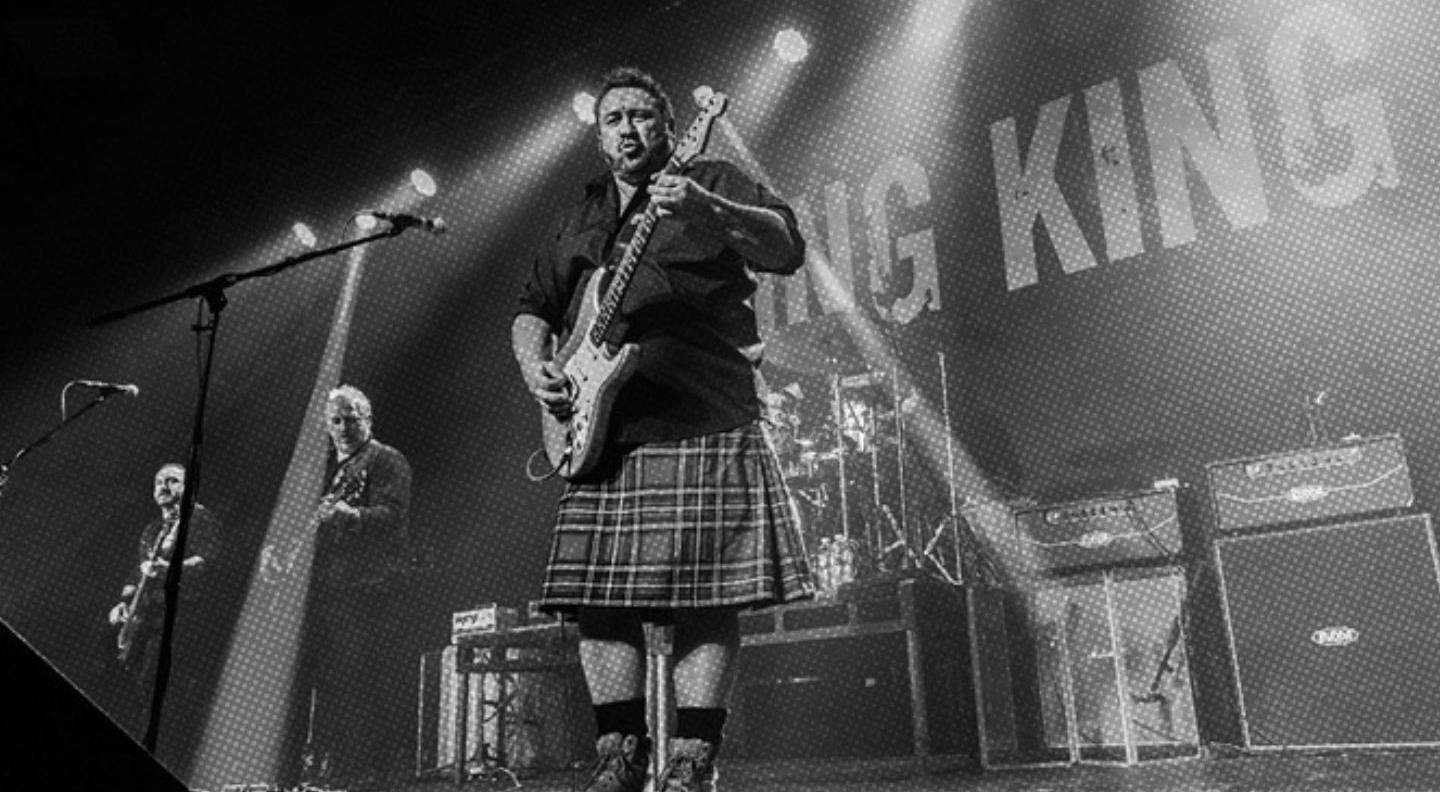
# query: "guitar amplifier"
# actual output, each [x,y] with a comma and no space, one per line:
[1360,477]
[1123,529]
[484,619]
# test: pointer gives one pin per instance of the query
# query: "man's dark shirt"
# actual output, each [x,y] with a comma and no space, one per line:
[202,539]
[689,307]
[374,548]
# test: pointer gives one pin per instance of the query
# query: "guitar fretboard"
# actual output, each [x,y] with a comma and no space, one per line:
[625,270]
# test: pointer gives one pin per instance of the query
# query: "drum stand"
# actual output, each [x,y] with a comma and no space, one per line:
[900,465]
[971,561]
[839,419]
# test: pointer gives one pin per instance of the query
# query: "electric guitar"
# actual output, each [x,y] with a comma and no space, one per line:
[125,637]
[277,564]
[595,370]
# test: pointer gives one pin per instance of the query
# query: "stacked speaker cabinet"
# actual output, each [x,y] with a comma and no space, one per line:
[1333,624]
[1334,633]
[1085,661]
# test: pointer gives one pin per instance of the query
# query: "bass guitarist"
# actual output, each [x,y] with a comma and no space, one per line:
[139,614]
[685,518]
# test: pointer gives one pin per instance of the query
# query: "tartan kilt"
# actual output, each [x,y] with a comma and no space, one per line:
[695,523]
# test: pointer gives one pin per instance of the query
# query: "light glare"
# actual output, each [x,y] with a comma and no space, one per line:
[790,46]
[584,106]
[304,234]
[423,182]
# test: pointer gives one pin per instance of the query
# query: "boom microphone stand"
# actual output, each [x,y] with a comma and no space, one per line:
[65,420]
[212,295]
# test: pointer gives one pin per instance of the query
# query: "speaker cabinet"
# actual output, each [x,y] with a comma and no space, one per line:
[882,674]
[1084,669]
[1334,633]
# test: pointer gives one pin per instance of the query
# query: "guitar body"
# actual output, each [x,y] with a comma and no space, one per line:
[347,490]
[125,638]
[596,373]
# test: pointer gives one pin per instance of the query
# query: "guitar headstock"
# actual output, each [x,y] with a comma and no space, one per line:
[697,135]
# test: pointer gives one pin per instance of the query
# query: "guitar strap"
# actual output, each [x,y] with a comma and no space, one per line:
[629,218]
[167,527]
[340,478]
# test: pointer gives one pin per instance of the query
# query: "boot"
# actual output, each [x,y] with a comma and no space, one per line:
[691,767]
[622,763]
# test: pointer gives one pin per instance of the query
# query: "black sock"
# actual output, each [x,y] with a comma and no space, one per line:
[696,723]
[625,717]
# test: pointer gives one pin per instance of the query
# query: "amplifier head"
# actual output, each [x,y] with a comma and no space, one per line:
[1127,528]
[1364,476]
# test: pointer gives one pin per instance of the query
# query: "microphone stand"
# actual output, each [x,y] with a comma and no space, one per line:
[960,576]
[212,292]
[65,420]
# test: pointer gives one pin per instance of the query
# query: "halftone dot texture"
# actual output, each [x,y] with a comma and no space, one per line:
[1195,349]
[1323,652]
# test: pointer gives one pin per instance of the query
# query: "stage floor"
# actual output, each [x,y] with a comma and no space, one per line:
[1358,771]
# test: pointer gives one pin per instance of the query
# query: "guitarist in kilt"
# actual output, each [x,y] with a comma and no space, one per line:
[686,518]
[141,610]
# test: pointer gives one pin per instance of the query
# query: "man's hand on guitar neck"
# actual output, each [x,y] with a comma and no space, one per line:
[119,613]
[151,568]
[757,233]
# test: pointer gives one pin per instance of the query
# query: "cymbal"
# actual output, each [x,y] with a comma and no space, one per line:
[865,379]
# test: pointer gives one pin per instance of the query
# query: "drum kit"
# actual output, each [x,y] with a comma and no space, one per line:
[840,432]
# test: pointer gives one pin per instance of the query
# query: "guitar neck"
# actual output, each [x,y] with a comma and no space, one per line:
[625,270]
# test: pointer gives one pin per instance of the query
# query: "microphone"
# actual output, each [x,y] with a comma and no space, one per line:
[402,221]
[110,387]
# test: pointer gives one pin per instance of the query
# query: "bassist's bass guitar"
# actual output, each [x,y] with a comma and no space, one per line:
[125,637]
[594,369]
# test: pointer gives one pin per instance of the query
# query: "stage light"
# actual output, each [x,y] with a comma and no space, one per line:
[790,46]
[584,106]
[702,95]
[423,182]
[304,234]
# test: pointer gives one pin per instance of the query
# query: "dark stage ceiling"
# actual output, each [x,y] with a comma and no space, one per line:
[116,111]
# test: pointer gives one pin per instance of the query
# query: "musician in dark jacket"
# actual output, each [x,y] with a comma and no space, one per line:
[363,551]
[139,619]
[686,518]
